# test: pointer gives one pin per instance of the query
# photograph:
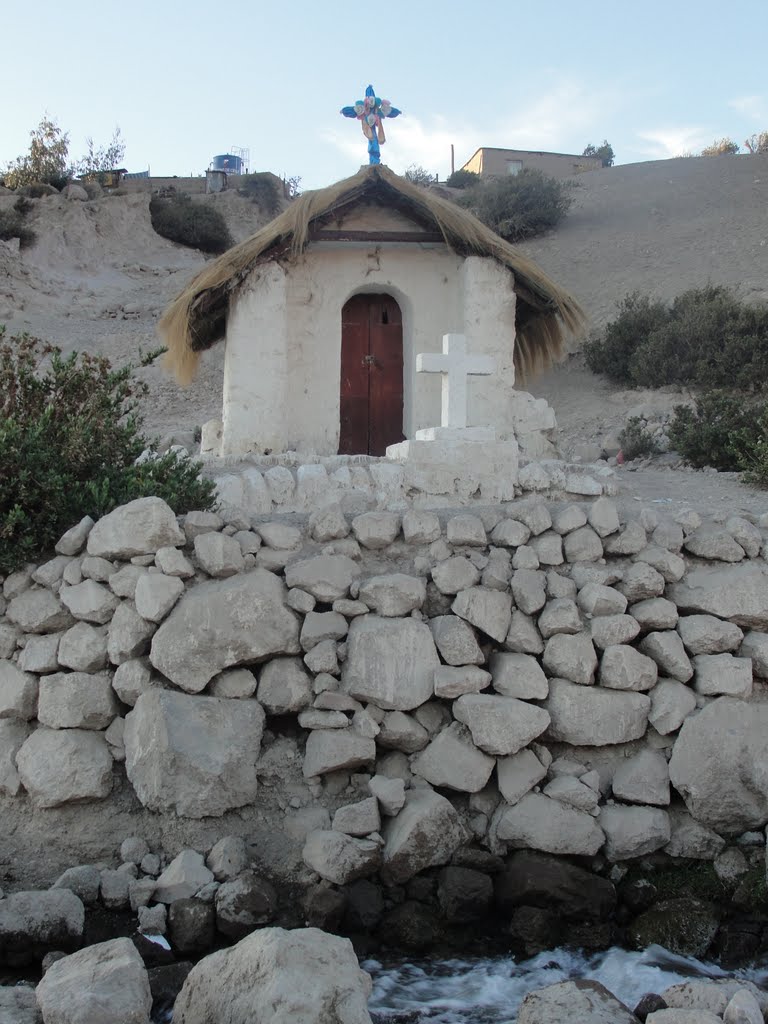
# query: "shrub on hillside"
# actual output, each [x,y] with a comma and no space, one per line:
[723,431]
[261,188]
[757,143]
[419,175]
[462,179]
[636,440]
[721,147]
[707,338]
[604,151]
[12,223]
[197,225]
[69,439]
[519,206]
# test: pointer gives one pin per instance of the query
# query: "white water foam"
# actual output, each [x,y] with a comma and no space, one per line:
[489,991]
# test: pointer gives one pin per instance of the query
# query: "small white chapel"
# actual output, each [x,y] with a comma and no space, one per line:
[368,315]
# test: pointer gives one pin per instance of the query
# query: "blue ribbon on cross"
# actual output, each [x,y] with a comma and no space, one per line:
[370,112]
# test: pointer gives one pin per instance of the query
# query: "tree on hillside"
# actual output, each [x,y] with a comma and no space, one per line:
[721,147]
[101,159]
[519,206]
[419,175]
[757,143]
[605,152]
[46,160]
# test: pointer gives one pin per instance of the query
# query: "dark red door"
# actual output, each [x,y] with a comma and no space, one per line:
[371,404]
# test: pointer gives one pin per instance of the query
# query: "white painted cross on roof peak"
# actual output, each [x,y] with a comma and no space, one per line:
[456,366]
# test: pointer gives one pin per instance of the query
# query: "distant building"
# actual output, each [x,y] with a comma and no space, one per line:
[495,163]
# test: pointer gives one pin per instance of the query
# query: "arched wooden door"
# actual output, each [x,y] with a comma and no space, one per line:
[371,405]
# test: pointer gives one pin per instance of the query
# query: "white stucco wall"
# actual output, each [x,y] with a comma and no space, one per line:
[283,347]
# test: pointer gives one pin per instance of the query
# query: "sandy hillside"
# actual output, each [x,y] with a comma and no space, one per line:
[99,276]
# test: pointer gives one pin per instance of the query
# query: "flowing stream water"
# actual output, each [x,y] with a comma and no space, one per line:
[490,991]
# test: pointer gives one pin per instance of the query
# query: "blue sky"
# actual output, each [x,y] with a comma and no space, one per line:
[187,81]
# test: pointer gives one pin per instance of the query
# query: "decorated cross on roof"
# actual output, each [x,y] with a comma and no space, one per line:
[370,112]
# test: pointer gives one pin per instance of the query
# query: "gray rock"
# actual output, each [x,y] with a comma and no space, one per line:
[666,649]
[114,889]
[559,616]
[331,750]
[745,534]
[569,518]
[738,593]
[655,613]
[90,601]
[717,674]
[73,541]
[223,623]
[76,700]
[604,517]
[596,599]
[420,527]
[718,763]
[83,648]
[38,611]
[671,566]
[587,1002]
[594,716]
[510,533]
[641,582]
[133,850]
[518,774]
[633,831]
[571,791]
[38,922]
[393,595]
[523,636]
[691,839]
[500,725]
[537,822]
[194,755]
[219,555]
[156,593]
[426,833]
[609,630]
[755,647]
[326,577]
[153,920]
[455,574]
[453,761]
[18,693]
[402,732]
[128,634]
[58,766]
[269,968]
[235,683]
[715,543]
[571,657]
[40,653]
[518,675]
[125,581]
[548,548]
[624,668]
[643,779]
[583,545]
[228,858]
[376,530]
[390,662]
[131,679]
[466,530]
[671,703]
[139,528]
[328,523]
[390,794]
[629,541]
[191,926]
[705,634]
[8,637]
[182,878]
[172,562]
[285,686]
[84,881]
[528,590]
[454,681]
[243,904]
[320,626]
[13,734]
[359,819]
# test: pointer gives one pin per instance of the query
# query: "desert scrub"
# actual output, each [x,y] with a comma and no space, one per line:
[13,223]
[706,339]
[262,189]
[463,179]
[70,434]
[636,440]
[521,205]
[196,225]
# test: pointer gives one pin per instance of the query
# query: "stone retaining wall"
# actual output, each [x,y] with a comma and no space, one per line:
[413,689]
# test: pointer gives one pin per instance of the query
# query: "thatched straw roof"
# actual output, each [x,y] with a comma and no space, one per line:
[196,319]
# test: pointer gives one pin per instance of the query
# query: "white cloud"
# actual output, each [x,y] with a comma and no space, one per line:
[663,143]
[753,107]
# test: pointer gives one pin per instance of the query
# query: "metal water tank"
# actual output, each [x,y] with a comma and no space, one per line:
[227,162]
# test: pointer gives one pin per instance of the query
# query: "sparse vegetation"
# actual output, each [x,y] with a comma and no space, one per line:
[261,188]
[757,143]
[69,438]
[725,432]
[636,440]
[197,225]
[98,160]
[419,175]
[721,147]
[519,206]
[12,223]
[707,338]
[462,179]
[604,151]
[46,161]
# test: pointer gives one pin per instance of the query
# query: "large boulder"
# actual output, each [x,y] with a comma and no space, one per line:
[426,833]
[532,879]
[243,904]
[390,662]
[35,923]
[326,577]
[587,1002]
[139,528]
[340,858]
[274,976]
[194,755]
[101,984]
[18,1005]
[594,716]
[38,611]
[685,926]
[76,700]
[221,623]
[719,765]
[59,766]
[739,594]
[538,822]
[500,725]
[332,750]
[453,761]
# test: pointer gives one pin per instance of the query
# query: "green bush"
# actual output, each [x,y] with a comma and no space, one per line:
[197,225]
[723,431]
[418,175]
[604,151]
[519,206]
[69,439]
[462,179]
[721,147]
[262,189]
[636,440]
[706,339]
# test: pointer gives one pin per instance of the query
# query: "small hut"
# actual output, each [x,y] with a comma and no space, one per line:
[324,310]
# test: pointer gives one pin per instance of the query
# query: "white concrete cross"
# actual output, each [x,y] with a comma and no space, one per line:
[456,366]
